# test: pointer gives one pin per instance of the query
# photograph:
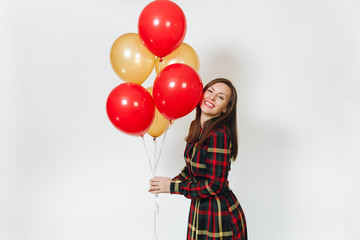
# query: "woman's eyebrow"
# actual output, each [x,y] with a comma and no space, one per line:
[217,91]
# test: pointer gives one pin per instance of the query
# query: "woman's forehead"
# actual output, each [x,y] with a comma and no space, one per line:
[221,88]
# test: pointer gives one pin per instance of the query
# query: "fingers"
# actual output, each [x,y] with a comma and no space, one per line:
[154,186]
[156,179]
[153,183]
[155,190]
[159,185]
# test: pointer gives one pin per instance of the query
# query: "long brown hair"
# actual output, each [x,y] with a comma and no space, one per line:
[228,119]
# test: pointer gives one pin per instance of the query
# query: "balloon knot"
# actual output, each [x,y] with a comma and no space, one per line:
[161,59]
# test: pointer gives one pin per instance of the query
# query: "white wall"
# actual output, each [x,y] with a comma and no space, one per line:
[67,173]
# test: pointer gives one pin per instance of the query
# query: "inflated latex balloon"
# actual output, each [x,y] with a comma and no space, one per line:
[160,124]
[183,54]
[162,27]
[177,90]
[130,108]
[130,59]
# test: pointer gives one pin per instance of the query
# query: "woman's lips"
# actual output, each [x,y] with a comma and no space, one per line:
[209,104]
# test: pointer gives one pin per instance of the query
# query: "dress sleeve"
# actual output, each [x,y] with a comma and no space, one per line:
[217,169]
[183,176]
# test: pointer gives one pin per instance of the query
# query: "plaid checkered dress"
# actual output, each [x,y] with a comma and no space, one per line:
[215,213]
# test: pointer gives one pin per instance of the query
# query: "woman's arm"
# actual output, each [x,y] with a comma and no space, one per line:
[184,175]
[217,166]
[162,184]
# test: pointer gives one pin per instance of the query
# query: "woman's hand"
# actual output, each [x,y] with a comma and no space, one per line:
[160,185]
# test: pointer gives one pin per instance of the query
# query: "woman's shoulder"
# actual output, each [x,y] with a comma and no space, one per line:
[219,138]
[220,131]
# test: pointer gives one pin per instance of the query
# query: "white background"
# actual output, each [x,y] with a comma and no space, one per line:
[67,173]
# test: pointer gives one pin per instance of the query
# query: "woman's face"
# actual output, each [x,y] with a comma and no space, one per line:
[215,100]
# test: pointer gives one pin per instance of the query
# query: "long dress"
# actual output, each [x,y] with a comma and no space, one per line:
[215,213]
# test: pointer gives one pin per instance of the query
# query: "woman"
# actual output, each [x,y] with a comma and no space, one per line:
[212,143]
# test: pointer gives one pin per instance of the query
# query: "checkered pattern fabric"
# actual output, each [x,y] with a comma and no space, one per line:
[215,213]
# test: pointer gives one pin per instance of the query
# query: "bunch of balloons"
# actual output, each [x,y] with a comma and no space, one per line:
[177,88]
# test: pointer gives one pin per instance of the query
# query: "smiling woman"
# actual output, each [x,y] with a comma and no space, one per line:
[215,101]
[215,212]
[206,123]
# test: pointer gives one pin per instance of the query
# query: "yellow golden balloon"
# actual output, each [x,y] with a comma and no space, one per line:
[183,54]
[160,124]
[130,59]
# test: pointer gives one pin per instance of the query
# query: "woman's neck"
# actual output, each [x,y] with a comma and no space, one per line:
[203,119]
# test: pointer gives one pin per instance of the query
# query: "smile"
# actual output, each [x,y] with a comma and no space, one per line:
[209,104]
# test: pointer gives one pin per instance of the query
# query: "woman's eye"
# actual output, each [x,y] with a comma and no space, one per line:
[209,91]
[221,97]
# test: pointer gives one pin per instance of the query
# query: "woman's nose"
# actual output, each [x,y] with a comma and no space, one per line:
[212,96]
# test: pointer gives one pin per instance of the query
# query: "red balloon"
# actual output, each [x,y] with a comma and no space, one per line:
[177,90]
[162,27]
[131,109]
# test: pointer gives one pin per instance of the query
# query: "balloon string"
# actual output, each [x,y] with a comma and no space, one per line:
[156,161]
[153,167]
[162,144]
[156,206]
[156,220]
[147,154]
